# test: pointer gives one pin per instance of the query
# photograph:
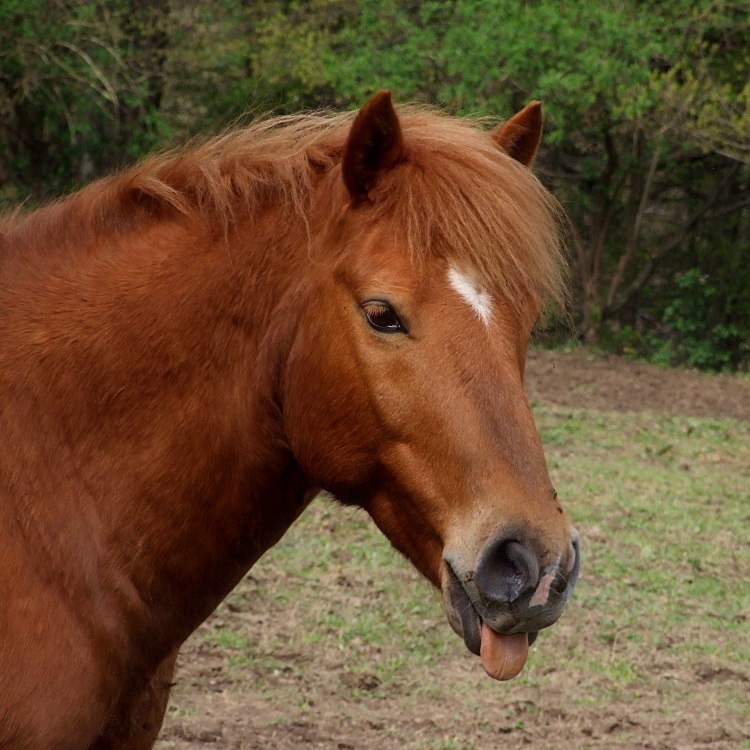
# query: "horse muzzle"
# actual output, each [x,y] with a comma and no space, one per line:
[499,605]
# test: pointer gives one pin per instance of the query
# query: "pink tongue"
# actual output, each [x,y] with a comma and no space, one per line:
[503,656]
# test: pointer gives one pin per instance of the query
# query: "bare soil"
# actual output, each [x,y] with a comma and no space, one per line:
[217,704]
[580,379]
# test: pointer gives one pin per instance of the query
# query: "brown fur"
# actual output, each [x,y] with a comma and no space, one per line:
[185,362]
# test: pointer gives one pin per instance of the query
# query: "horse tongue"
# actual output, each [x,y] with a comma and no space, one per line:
[503,656]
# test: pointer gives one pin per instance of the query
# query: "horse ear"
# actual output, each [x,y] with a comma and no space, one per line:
[375,144]
[520,136]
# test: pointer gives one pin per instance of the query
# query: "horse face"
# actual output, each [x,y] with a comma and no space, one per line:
[416,411]
[404,395]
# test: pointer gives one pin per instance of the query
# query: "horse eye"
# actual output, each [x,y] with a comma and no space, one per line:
[382,318]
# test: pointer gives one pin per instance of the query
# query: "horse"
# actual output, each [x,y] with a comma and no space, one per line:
[194,347]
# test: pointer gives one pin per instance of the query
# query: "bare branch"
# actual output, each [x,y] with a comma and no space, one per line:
[633,239]
[648,268]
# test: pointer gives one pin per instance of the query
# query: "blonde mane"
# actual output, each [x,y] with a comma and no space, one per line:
[456,194]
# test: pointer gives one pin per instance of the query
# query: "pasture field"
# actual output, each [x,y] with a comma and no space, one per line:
[334,641]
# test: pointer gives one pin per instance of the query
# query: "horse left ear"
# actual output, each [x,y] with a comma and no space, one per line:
[374,145]
[520,136]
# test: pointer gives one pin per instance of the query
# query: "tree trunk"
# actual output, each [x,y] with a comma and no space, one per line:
[590,254]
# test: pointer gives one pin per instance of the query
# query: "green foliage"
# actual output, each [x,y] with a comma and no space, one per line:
[704,344]
[75,100]
[702,319]
[709,337]
[646,111]
[662,506]
[488,56]
[706,93]
[248,58]
[615,81]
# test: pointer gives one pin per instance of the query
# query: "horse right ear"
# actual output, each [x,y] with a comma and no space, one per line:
[374,145]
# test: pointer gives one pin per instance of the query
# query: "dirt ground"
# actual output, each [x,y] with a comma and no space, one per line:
[213,708]
[579,379]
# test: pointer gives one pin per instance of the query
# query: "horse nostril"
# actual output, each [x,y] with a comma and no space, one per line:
[506,569]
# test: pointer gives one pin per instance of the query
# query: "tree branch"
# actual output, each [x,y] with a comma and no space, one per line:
[633,239]
[648,268]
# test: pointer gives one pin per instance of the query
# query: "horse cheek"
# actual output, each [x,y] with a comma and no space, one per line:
[328,419]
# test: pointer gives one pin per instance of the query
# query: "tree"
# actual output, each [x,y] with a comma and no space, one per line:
[614,153]
[647,110]
[707,92]
[72,96]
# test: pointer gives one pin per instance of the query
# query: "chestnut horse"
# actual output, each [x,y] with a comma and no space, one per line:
[192,349]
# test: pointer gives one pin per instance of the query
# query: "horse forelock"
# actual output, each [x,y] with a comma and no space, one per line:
[456,195]
[462,198]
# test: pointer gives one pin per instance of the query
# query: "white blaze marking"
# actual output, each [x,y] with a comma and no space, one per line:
[479,300]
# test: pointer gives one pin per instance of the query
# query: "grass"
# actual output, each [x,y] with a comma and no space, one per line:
[659,625]
[666,502]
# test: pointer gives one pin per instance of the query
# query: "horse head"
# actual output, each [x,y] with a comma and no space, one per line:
[403,389]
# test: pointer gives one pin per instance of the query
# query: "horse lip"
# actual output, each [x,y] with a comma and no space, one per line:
[468,615]
[471,622]
[575,570]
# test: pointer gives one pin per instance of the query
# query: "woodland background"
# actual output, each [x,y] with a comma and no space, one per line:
[647,108]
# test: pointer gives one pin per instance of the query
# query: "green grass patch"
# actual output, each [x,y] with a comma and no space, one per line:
[662,607]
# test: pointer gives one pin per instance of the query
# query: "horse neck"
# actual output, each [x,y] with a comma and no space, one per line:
[143,377]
